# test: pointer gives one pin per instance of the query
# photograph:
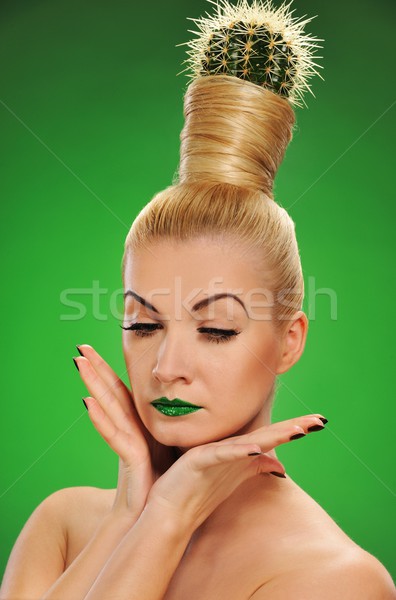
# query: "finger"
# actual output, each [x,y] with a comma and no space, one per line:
[265,463]
[282,433]
[109,377]
[308,421]
[117,439]
[298,427]
[270,436]
[104,396]
[214,455]
[206,456]
[302,427]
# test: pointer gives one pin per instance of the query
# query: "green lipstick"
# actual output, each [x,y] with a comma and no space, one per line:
[174,408]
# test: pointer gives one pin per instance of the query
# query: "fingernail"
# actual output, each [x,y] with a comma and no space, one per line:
[324,421]
[85,404]
[316,427]
[297,435]
[78,349]
[278,474]
[75,362]
[254,453]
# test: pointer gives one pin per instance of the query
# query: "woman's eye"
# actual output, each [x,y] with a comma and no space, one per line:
[218,335]
[213,335]
[143,329]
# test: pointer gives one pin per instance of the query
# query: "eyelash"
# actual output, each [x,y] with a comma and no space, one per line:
[225,335]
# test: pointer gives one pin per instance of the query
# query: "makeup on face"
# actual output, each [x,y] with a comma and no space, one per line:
[175,282]
[211,334]
[198,306]
[175,407]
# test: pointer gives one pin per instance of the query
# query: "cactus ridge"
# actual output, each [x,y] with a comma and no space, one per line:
[258,43]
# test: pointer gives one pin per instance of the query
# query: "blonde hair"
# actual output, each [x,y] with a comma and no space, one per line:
[233,141]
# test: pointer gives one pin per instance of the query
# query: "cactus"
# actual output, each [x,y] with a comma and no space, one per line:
[257,43]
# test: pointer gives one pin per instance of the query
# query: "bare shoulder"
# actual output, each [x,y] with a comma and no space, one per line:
[316,560]
[79,504]
[78,498]
[348,574]
[81,509]
[54,532]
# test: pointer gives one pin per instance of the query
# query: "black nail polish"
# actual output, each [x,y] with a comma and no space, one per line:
[85,404]
[75,362]
[278,474]
[324,421]
[316,427]
[297,435]
[254,453]
[78,350]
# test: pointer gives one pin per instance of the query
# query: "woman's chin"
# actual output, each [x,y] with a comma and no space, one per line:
[180,440]
[194,430]
[182,437]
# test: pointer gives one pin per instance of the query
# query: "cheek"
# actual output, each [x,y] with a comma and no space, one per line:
[138,377]
[251,377]
[261,363]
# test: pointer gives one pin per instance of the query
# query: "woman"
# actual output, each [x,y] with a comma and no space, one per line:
[213,286]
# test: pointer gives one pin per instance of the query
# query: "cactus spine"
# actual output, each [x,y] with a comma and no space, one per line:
[257,43]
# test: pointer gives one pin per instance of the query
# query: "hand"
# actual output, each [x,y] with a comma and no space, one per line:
[206,475]
[112,411]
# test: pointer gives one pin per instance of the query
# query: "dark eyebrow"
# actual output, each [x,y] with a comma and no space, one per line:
[197,306]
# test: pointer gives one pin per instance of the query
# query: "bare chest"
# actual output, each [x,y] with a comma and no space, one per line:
[234,567]
[212,567]
[234,563]
[223,567]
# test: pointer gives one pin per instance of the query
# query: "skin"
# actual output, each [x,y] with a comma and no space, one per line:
[224,526]
[231,380]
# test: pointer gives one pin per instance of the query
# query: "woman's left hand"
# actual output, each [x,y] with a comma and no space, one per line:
[204,476]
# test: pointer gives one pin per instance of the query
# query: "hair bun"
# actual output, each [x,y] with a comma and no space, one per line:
[234,132]
[250,64]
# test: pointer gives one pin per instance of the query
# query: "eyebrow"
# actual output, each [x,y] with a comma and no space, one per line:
[197,306]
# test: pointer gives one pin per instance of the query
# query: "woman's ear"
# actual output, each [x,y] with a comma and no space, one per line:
[293,342]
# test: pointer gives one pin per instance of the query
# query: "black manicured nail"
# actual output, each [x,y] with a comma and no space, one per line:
[278,474]
[316,427]
[297,435]
[75,362]
[78,349]
[85,404]
[324,421]
[254,453]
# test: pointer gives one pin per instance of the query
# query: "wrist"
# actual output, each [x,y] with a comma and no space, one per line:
[120,521]
[173,524]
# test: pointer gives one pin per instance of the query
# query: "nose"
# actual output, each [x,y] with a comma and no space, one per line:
[172,361]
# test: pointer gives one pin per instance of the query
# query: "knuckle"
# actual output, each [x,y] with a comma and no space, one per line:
[281,436]
[218,452]
[195,457]
[92,373]
[297,429]
[113,436]
[196,452]
[110,398]
[118,384]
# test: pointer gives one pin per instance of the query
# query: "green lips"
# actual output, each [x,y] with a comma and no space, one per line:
[174,408]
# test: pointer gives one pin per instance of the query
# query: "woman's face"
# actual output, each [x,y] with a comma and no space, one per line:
[173,356]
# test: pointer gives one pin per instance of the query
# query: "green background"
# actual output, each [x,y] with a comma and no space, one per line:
[91,111]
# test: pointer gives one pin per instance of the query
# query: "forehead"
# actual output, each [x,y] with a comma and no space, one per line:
[181,274]
[201,262]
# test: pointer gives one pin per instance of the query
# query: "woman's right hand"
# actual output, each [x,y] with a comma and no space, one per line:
[112,411]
